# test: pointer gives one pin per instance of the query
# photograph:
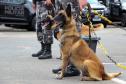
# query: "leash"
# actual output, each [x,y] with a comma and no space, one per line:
[88,15]
[102,17]
[105,51]
[108,56]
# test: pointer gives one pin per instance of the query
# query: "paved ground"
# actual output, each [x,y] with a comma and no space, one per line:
[18,67]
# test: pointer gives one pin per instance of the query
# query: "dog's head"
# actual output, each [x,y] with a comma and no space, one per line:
[63,17]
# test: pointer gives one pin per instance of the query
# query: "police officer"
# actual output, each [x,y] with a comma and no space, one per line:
[43,8]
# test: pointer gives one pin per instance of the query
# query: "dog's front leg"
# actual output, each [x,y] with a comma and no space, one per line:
[65,61]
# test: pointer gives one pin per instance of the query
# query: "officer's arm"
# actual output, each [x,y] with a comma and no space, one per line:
[82,3]
[34,5]
[48,2]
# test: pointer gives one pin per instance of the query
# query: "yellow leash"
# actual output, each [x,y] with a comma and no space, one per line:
[107,54]
[101,16]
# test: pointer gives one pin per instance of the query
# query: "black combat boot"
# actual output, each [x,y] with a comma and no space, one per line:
[70,71]
[39,52]
[47,54]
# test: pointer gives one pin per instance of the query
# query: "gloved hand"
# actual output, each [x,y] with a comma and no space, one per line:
[48,2]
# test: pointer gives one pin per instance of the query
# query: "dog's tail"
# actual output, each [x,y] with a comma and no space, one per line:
[109,76]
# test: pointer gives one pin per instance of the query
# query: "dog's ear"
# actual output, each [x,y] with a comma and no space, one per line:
[68,10]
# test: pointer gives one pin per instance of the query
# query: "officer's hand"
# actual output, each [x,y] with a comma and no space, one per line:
[33,7]
[48,2]
[82,3]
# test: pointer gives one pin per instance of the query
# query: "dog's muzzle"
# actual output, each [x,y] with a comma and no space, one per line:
[57,23]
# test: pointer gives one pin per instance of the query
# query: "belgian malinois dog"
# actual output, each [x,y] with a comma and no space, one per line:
[76,50]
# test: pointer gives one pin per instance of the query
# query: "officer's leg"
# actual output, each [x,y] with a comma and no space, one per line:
[70,71]
[47,54]
[47,40]
[38,31]
[40,52]
[39,36]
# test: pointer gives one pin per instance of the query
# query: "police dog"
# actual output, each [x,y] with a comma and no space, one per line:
[77,51]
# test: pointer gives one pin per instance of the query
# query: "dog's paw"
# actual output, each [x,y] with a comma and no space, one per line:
[83,78]
[59,72]
[59,77]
